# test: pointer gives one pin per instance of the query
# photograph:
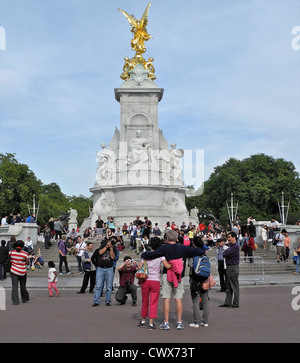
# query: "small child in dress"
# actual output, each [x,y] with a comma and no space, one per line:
[52,279]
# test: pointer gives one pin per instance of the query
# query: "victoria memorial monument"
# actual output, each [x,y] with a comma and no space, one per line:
[138,172]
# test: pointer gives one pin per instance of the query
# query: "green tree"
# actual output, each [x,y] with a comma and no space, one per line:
[17,185]
[256,182]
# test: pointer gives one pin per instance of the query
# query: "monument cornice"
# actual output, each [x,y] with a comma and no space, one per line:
[141,91]
[172,188]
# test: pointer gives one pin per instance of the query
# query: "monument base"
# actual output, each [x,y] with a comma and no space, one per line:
[125,203]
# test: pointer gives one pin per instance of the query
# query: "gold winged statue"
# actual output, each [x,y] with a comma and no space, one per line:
[138,28]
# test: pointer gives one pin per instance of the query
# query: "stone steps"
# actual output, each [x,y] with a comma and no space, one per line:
[270,265]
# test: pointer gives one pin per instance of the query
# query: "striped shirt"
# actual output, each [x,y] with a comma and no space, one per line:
[18,262]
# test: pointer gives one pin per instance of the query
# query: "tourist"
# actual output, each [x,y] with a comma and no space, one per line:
[124,229]
[279,238]
[18,272]
[297,253]
[52,279]
[103,259]
[62,250]
[70,246]
[274,227]
[147,227]
[99,223]
[111,224]
[221,264]
[73,234]
[80,248]
[150,288]
[237,229]
[127,272]
[245,247]
[31,218]
[109,233]
[38,260]
[137,237]
[47,236]
[89,270]
[132,228]
[28,247]
[264,236]
[172,251]
[287,244]
[232,259]
[4,221]
[156,230]
[197,292]
[251,248]
[58,228]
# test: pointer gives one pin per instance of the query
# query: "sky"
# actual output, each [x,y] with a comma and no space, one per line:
[230,71]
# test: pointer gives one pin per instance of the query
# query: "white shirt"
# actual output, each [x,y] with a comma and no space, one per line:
[51,274]
[80,247]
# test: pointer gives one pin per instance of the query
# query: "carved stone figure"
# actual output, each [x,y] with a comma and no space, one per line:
[106,165]
[138,149]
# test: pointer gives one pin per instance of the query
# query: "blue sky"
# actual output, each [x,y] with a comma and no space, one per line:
[230,75]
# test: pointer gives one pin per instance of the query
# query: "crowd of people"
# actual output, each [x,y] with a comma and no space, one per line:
[165,252]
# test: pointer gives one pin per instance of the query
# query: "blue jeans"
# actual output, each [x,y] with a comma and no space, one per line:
[103,275]
[298,265]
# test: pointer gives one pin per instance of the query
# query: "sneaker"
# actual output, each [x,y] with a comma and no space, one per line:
[164,326]
[107,303]
[179,325]
[194,325]
[204,324]
[141,324]
[152,326]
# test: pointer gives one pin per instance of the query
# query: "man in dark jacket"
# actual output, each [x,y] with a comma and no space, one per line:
[232,259]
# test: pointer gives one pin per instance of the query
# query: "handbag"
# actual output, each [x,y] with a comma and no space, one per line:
[208,283]
[142,273]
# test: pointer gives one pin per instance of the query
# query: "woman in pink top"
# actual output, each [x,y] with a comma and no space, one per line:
[151,287]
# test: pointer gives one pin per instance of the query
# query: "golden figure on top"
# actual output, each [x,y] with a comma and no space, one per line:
[139,30]
[137,44]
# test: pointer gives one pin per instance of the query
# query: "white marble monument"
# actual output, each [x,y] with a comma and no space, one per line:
[138,173]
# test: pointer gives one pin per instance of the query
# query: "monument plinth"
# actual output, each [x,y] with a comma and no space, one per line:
[139,174]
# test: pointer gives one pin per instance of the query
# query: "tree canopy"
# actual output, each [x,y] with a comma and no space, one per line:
[18,185]
[256,182]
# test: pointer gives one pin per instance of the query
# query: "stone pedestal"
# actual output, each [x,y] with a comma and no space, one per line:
[139,174]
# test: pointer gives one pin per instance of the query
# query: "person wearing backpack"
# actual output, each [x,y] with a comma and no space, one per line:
[197,291]
[172,250]
[232,260]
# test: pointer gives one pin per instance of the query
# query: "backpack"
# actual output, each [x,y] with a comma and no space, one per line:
[201,266]
[274,240]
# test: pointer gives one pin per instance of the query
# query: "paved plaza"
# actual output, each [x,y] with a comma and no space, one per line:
[269,312]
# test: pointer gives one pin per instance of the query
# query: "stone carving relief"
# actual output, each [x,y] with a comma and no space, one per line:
[106,171]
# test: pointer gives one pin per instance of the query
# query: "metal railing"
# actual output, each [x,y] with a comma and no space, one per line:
[251,268]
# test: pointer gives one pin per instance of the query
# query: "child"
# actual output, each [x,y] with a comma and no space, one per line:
[52,279]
